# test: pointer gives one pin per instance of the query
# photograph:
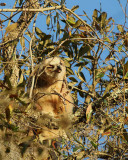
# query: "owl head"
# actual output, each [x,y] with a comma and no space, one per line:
[51,70]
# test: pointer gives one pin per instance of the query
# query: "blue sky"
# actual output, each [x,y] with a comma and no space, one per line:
[112,7]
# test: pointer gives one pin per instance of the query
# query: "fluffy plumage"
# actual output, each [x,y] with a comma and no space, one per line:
[52,98]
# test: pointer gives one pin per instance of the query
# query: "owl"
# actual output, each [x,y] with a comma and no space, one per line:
[52,98]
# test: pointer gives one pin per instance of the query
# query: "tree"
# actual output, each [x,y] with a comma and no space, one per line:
[95,54]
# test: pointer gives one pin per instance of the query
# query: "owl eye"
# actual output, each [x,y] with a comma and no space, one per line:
[50,66]
[61,63]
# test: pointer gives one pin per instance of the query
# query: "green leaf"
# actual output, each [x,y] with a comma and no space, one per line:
[63,20]
[84,49]
[67,62]
[22,42]
[28,107]
[107,39]
[73,79]
[125,67]
[20,2]
[89,57]
[74,8]
[11,126]
[79,76]
[48,20]
[125,134]
[120,28]
[58,27]
[126,76]
[95,14]
[94,144]
[82,75]
[53,4]
[108,28]
[81,64]
[77,24]
[107,21]
[103,17]
[47,37]
[80,90]
[39,33]
[126,109]
[108,88]
[99,75]
[28,34]
[76,148]
[62,2]
[126,41]
[69,71]
[71,20]
[120,48]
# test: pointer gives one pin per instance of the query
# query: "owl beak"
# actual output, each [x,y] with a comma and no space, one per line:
[58,69]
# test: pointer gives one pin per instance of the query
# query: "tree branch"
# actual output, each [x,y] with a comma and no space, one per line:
[66,9]
[30,9]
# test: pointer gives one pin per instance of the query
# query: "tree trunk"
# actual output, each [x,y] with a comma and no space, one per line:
[13,33]
[9,149]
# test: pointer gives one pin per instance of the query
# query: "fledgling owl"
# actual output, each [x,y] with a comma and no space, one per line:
[52,97]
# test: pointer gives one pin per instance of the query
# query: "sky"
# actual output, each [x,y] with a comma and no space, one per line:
[112,7]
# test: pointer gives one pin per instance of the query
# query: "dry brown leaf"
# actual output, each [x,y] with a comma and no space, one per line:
[109,87]
[11,28]
[88,112]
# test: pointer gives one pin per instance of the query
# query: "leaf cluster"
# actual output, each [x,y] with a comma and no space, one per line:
[95,53]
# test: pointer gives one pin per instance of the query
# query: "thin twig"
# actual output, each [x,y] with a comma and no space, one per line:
[66,9]
[50,53]
[32,64]
[12,13]
[56,93]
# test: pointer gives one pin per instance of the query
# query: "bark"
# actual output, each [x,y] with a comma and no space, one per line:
[11,39]
[9,147]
